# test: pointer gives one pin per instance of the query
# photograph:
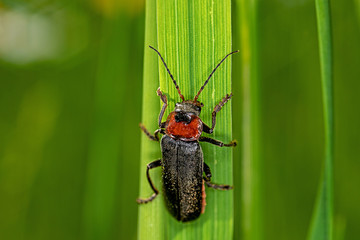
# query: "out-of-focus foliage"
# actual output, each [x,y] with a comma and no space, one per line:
[292,120]
[70,104]
[321,227]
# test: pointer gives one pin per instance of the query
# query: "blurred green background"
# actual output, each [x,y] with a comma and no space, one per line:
[70,104]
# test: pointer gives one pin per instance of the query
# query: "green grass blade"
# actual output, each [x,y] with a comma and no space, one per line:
[321,227]
[250,222]
[193,36]
[150,221]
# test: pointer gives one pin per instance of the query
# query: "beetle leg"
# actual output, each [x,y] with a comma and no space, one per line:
[217,109]
[208,182]
[206,128]
[156,133]
[164,100]
[154,137]
[218,143]
[151,165]
[219,186]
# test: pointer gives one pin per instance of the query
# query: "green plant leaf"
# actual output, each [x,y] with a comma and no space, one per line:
[249,214]
[150,218]
[193,36]
[321,227]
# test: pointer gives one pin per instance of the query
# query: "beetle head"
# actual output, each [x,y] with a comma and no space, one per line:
[185,109]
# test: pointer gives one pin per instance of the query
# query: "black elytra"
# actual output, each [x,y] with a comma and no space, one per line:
[182,161]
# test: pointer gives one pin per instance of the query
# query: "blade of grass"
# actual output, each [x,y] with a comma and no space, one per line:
[193,36]
[322,221]
[150,218]
[251,206]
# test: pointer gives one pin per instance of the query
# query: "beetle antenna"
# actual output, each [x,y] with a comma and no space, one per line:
[177,87]
[207,80]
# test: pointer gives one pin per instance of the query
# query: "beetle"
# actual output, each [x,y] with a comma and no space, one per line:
[182,159]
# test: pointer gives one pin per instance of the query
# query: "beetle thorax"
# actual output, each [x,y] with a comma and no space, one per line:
[184,122]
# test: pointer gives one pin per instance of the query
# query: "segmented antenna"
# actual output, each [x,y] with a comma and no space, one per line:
[202,88]
[177,87]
